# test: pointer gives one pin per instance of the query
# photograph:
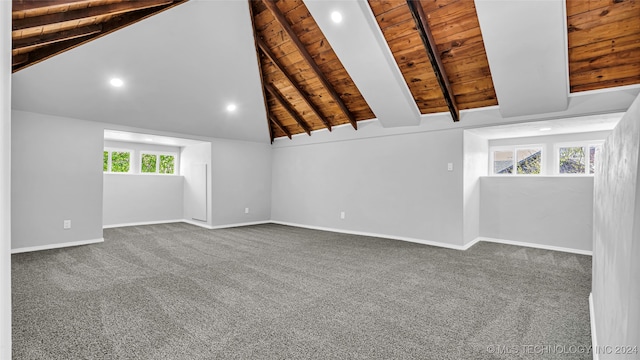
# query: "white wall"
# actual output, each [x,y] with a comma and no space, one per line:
[241,178]
[553,211]
[395,186]
[56,175]
[5,179]
[142,198]
[476,158]
[190,155]
[616,237]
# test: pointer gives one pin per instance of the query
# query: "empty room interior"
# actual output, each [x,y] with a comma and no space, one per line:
[307,179]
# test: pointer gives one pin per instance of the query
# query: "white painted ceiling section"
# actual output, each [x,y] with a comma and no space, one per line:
[360,45]
[180,68]
[135,137]
[526,46]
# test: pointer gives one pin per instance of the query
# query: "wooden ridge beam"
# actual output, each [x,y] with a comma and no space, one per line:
[267,52]
[280,126]
[86,14]
[294,114]
[422,26]
[282,20]
[33,42]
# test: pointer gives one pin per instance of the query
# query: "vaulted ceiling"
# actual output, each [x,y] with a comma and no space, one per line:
[435,47]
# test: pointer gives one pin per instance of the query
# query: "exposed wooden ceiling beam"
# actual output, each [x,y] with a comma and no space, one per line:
[25,5]
[280,126]
[19,59]
[281,19]
[432,52]
[86,14]
[31,43]
[267,52]
[294,114]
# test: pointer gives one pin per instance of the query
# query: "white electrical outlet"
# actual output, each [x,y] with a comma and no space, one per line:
[246,210]
[450,166]
[342,215]
[66,224]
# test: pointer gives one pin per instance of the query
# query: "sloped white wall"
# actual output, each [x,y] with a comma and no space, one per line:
[616,237]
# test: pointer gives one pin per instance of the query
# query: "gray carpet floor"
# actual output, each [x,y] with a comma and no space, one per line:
[177,291]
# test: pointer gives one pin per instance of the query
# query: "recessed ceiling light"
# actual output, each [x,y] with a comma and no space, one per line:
[545,129]
[231,107]
[336,17]
[116,82]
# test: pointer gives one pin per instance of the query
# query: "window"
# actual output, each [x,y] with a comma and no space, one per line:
[157,163]
[578,159]
[117,161]
[521,160]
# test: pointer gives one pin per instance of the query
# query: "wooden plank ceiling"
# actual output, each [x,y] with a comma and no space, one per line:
[306,87]
[456,32]
[44,28]
[604,43]
[437,45]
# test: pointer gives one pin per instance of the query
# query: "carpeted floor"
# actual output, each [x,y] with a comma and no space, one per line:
[177,291]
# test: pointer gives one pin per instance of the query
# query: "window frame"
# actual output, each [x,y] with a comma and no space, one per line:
[157,155]
[514,150]
[585,145]
[110,151]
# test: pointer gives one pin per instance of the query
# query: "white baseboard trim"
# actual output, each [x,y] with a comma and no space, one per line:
[537,246]
[142,223]
[225,226]
[241,224]
[594,339]
[384,236]
[56,246]
[198,223]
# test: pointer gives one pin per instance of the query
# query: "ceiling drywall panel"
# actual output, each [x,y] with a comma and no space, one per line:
[180,68]
[527,50]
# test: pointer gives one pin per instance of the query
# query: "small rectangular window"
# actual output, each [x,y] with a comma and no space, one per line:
[120,161]
[594,157]
[503,162]
[149,163]
[529,161]
[167,164]
[572,160]
[105,161]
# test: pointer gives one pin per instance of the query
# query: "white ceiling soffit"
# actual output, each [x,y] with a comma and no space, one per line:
[526,47]
[603,122]
[360,45]
[127,136]
[180,68]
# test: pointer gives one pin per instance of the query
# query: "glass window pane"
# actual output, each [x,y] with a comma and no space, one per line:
[166,164]
[120,161]
[572,160]
[105,161]
[529,160]
[594,156]
[503,162]
[148,163]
